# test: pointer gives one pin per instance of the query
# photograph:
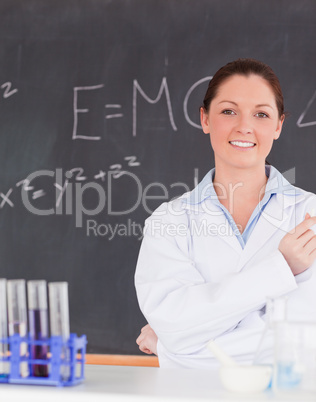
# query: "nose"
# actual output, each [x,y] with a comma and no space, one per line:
[244,125]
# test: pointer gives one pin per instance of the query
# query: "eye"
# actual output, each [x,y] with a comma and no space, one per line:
[228,112]
[261,115]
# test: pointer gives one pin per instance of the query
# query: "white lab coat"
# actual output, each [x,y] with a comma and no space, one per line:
[194,281]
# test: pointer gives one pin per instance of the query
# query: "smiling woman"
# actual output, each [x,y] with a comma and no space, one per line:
[195,285]
[242,121]
[242,117]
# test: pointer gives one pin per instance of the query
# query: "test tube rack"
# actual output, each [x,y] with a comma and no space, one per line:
[56,360]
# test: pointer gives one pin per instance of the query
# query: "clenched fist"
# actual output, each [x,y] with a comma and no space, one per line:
[147,340]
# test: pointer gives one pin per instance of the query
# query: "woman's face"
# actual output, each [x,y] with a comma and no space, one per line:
[242,121]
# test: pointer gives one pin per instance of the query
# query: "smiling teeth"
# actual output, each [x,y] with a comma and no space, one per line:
[242,144]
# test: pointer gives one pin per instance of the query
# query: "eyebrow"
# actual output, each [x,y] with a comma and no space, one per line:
[234,103]
[265,104]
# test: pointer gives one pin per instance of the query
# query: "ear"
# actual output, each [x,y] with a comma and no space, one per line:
[279,128]
[204,121]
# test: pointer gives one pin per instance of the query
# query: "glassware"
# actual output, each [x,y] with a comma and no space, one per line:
[17,316]
[275,312]
[59,318]
[295,358]
[4,366]
[38,324]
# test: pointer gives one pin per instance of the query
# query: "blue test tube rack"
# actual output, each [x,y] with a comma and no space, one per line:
[76,346]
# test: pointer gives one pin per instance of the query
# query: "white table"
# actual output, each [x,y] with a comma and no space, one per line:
[139,384]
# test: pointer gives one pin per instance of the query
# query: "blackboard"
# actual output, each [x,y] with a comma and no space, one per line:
[99,102]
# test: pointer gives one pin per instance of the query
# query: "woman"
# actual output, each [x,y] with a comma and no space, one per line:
[210,258]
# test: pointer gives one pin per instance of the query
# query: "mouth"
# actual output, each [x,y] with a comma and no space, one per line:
[242,144]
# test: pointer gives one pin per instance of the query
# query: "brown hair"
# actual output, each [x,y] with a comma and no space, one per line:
[245,67]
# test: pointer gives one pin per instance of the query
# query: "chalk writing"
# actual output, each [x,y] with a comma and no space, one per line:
[137,91]
[79,174]
[163,87]
[25,183]
[76,174]
[6,199]
[76,110]
[186,99]
[311,123]
[132,161]
[101,175]
[7,90]
[117,170]
[115,115]
[38,194]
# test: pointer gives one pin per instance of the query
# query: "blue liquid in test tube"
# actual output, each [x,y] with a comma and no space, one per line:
[38,324]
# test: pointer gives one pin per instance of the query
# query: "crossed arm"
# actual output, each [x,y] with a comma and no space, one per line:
[298,247]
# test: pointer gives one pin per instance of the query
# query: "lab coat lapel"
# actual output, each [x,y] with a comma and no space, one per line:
[270,221]
[216,224]
[225,232]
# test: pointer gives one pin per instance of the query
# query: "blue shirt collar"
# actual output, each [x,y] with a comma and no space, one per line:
[276,184]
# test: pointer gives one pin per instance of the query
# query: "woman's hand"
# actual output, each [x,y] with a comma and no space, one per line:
[147,340]
[299,246]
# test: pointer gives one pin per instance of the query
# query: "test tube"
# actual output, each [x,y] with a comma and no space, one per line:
[38,324]
[17,316]
[4,368]
[59,318]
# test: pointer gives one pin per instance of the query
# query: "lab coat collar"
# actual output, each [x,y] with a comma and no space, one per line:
[203,198]
[204,190]
[272,219]
[276,184]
